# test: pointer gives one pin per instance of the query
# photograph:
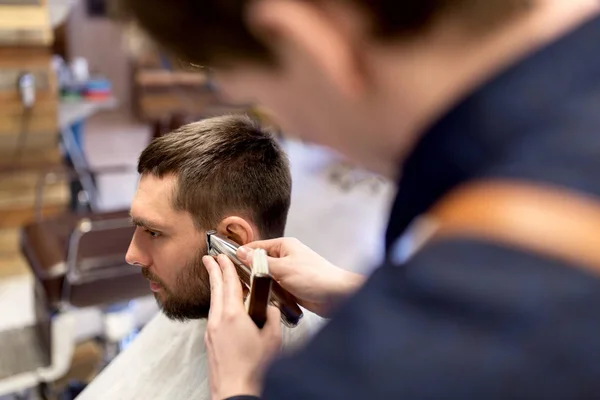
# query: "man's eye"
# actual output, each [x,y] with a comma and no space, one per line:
[152,234]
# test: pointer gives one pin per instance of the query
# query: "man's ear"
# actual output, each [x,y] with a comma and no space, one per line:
[237,229]
[308,30]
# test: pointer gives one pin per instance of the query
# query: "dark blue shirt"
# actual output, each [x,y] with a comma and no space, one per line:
[465,319]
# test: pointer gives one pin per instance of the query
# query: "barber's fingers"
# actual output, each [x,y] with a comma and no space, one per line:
[278,267]
[233,296]
[273,247]
[216,287]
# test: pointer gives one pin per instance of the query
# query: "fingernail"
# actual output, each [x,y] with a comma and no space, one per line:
[243,252]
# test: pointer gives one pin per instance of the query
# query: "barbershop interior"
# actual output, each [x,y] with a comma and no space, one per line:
[289,200]
[79,104]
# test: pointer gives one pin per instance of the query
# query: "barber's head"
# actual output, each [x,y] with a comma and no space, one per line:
[223,173]
[347,74]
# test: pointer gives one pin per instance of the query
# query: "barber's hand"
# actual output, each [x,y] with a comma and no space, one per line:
[317,284]
[238,352]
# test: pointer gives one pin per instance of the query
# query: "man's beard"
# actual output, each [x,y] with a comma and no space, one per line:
[190,297]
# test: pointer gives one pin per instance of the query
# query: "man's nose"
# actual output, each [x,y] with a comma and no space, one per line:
[135,256]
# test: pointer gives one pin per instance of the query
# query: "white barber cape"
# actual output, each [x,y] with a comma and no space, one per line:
[167,361]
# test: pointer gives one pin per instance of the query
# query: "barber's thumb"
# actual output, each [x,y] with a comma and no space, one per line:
[276,265]
[244,254]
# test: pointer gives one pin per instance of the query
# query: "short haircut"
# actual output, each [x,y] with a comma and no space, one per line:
[224,164]
[208,32]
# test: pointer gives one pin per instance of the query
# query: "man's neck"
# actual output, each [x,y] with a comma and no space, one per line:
[428,78]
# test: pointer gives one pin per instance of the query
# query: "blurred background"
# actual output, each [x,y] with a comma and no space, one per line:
[76,110]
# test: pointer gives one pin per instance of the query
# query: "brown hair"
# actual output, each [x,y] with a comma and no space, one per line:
[206,32]
[224,164]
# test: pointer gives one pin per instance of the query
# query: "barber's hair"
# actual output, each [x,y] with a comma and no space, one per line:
[224,164]
[206,32]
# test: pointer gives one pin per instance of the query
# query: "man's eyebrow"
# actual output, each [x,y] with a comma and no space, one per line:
[145,223]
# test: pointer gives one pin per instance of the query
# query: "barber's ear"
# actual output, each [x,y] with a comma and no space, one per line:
[303,29]
[236,229]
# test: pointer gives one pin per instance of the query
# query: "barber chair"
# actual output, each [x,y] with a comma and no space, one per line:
[35,354]
[77,261]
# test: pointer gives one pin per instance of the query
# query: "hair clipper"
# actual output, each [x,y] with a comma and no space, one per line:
[291,313]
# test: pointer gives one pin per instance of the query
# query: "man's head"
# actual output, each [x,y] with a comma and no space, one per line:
[222,173]
[363,77]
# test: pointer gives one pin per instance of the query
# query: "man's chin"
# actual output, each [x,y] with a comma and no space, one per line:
[182,317]
[182,312]
[175,316]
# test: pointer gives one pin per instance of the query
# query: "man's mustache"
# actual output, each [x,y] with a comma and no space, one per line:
[151,277]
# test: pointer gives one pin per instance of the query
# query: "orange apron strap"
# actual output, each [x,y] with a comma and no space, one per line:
[540,219]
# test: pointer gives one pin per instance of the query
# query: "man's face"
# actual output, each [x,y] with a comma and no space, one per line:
[168,246]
